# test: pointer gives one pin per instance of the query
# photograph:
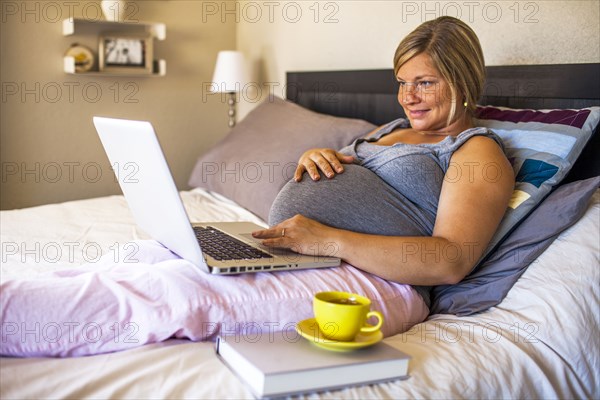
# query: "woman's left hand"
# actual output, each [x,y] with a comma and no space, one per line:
[302,235]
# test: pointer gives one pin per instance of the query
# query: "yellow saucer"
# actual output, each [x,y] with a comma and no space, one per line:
[309,329]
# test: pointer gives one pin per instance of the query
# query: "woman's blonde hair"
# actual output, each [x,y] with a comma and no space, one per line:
[455,52]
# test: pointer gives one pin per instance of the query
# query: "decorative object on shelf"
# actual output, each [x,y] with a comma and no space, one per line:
[119,53]
[138,31]
[229,77]
[113,10]
[83,57]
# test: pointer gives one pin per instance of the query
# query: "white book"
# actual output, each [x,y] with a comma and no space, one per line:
[284,363]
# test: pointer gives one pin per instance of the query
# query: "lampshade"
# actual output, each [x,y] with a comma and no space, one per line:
[230,72]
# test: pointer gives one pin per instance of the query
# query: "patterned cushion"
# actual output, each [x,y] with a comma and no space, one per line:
[542,146]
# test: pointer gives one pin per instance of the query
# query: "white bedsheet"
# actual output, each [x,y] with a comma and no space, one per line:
[542,341]
[58,236]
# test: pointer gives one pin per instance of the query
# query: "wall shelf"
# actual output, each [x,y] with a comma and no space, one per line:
[156,29]
[75,26]
[158,69]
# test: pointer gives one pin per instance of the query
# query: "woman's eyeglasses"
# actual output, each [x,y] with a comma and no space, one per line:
[423,86]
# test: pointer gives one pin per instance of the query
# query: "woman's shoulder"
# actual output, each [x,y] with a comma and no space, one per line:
[485,147]
[476,131]
[476,134]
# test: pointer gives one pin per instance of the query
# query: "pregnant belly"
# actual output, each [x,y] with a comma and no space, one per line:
[356,200]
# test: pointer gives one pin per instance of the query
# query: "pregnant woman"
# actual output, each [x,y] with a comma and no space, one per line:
[415,201]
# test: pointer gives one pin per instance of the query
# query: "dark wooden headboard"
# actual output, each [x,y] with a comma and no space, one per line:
[372,95]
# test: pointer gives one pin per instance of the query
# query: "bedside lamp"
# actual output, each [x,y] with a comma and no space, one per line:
[229,77]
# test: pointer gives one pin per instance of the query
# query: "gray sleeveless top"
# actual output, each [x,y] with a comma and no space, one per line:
[389,190]
[415,170]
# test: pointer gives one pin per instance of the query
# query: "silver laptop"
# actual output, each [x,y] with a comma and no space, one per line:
[217,248]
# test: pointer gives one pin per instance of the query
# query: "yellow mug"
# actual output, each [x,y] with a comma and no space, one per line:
[341,315]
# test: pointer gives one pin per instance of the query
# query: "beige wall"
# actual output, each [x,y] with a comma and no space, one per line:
[40,134]
[43,129]
[358,34]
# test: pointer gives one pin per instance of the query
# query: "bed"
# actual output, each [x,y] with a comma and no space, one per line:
[539,339]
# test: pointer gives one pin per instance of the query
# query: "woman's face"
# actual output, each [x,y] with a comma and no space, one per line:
[426,98]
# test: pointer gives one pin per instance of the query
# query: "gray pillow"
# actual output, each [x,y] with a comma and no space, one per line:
[489,283]
[259,155]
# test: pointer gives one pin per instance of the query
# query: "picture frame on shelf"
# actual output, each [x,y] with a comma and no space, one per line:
[123,53]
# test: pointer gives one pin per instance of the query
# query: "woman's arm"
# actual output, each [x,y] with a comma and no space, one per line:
[473,199]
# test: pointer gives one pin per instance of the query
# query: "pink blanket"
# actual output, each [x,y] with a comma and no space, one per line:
[113,305]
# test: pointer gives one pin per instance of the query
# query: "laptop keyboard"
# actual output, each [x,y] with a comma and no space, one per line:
[223,247]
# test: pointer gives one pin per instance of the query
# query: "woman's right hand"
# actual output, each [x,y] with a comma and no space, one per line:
[328,161]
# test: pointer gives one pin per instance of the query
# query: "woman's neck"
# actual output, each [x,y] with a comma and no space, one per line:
[455,128]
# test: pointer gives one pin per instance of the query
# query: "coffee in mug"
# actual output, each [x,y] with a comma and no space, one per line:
[342,315]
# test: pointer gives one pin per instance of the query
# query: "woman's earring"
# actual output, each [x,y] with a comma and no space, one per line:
[465,104]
